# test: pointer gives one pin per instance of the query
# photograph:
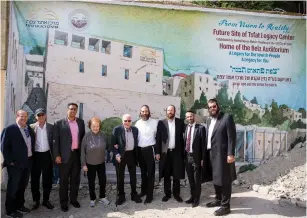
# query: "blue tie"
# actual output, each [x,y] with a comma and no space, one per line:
[27,132]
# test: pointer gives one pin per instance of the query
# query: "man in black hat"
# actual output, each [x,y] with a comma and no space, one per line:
[42,159]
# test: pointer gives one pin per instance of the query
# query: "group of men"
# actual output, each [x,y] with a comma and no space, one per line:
[204,154]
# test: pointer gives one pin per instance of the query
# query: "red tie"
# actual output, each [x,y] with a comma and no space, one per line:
[189,139]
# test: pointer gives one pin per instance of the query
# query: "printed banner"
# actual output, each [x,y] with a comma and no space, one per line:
[111,59]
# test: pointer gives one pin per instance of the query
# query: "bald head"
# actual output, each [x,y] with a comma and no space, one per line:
[21,118]
[127,120]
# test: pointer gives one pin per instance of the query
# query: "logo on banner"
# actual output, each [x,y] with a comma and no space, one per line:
[148,55]
[43,19]
[78,19]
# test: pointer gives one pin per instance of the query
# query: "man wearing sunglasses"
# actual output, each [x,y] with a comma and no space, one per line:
[42,159]
[220,151]
[124,142]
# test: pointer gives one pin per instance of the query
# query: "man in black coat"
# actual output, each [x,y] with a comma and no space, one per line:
[194,140]
[17,146]
[169,151]
[221,142]
[124,143]
[68,135]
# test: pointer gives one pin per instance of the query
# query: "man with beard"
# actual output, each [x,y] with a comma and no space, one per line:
[146,141]
[170,153]
[195,140]
[221,143]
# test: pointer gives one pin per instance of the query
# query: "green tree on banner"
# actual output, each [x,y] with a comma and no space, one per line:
[203,102]
[238,109]
[255,119]
[276,114]
[166,73]
[183,109]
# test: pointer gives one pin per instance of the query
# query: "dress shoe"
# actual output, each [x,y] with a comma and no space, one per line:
[48,205]
[213,204]
[136,199]
[14,215]
[166,198]
[148,201]
[120,200]
[222,211]
[195,203]
[64,207]
[178,198]
[190,201]
[75,204]
[36,205]
[23,209]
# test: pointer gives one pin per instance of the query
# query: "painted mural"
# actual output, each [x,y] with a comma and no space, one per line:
[111,59]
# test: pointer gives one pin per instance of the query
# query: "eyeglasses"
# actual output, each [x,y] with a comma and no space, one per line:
[129,121]
[40,115]
[213,106]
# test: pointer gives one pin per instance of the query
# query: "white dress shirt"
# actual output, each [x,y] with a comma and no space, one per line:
[192,136]
[147,132]
[171,128]
[211,127]
[41,144]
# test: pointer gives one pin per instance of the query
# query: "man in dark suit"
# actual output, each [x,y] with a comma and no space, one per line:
[221,141]
[169,151]
[125,140]
[194,140]
[68,135]
[17,146]
[42,159]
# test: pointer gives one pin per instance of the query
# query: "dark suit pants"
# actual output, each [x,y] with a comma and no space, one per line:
[167,173]
[100,170]
[194,176]
[129,160]
[42,164]
[18,179]
[147,165]
[223,194]
[70,174]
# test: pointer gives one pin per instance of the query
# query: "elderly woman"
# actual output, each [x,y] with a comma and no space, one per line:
[93,160]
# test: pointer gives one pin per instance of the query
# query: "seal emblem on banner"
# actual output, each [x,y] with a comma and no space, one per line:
[78,19]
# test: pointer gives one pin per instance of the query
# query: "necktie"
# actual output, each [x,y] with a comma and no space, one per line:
[189,139]
[27,132]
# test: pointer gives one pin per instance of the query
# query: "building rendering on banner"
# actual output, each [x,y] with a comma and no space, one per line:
[103,65]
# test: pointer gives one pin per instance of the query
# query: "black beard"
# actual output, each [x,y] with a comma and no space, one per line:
[171,116]
[145,117]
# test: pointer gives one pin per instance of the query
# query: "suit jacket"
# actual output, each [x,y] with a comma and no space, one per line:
[14,147]
[223,143]
[119,137]
[62,138]
[50,130]
[198,144]
[162,140]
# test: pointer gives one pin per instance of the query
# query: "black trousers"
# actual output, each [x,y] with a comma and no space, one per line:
[168,170]
[147,165]
[70,174]
[194,176]
[100,170]
[18,179]
[129,160]
[42,164]
[223,194]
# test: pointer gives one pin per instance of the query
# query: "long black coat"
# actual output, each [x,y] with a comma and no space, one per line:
[162,139]
[223,143]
